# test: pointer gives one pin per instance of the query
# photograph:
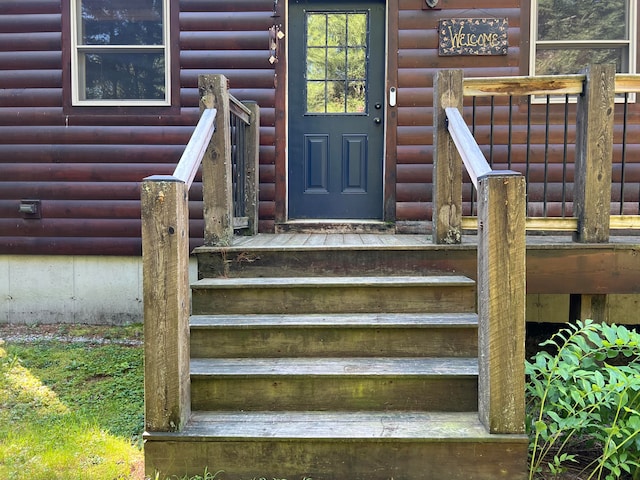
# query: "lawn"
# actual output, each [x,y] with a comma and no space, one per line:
[72,407]
[71,403]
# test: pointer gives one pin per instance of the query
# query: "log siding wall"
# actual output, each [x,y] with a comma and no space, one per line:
[418,60]
[85,166]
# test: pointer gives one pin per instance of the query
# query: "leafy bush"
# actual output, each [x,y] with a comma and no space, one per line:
[588,390]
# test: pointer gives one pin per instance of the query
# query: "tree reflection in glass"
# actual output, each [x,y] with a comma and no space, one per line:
[336,62]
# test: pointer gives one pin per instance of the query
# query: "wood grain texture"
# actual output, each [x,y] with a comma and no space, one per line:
[252,178]
[216,164]
[335,384]
[501,302]
[323,335]
[447,167]
[330,445]
[334,295]
[594,154]
[165,257]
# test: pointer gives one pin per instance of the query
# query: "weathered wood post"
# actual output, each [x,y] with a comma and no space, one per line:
[592,185]
[165,258]
[252,154]
[501,301]
[217,181]
[447,166]
[594,152]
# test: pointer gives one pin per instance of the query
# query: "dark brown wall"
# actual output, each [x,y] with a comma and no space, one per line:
[85,165]
[418,60]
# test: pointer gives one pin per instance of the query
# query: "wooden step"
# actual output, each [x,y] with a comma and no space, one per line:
[336,335]
[338,445]
[269,255]
[437,384]
[401,294]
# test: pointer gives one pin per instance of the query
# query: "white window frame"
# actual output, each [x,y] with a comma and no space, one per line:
[631,44]
[77,75]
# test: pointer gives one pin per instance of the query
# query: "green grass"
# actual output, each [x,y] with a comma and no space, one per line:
[71,410]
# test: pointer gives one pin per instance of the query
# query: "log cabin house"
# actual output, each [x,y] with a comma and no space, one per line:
[371,234]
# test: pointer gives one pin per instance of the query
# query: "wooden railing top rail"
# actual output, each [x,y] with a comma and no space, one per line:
[196,148]
[469,151]
[626,83]
[239,110]
[541,85]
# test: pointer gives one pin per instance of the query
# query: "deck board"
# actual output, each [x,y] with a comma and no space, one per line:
[335,367]
[371,240]
[424,426]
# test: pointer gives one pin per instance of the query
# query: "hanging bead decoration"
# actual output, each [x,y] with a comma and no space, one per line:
[275,35]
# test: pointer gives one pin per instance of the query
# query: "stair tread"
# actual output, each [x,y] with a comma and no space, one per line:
[398,367]
[293,425]
[348,320]
[278,282]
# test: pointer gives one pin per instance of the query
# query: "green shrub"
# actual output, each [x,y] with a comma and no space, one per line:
[586,390]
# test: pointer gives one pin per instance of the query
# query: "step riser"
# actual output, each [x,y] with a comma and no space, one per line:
[351,299]
[348,460]
[332,342]
[306,263]
[332,393]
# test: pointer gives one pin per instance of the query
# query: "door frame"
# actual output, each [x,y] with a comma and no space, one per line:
[281,116]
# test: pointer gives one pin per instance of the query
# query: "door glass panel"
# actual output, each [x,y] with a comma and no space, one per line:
[336,62]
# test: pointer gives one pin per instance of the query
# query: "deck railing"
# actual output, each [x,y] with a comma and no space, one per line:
[501,254]
[165,240]
[545,128]
[230,177]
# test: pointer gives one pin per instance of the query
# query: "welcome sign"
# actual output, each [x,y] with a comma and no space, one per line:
[473,36]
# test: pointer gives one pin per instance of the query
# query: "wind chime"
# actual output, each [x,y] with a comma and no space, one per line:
[275,35]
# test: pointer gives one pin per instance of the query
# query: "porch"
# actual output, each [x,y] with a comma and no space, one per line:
[362,353]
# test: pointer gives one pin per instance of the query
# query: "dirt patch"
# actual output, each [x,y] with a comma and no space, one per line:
[72,333]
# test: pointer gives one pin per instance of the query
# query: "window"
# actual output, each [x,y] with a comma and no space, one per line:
[567,35]
[120,53]
[336,62]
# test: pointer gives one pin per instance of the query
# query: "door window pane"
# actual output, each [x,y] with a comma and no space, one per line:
[336,62]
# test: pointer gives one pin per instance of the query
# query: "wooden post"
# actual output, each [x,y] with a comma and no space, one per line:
[589,306]
[501,301]
[594,150]
[217,182]
[165,270]
[447,166]
[252,145]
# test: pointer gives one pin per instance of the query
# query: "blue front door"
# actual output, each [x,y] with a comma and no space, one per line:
[336,109]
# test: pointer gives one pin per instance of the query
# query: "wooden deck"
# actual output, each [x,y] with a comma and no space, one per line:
[565,280]
[372,240]
[555,263]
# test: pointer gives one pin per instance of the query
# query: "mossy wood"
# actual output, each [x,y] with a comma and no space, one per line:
[336,335]
[333,295]
[165,254]
[216,166]
[594,152]
[501,301]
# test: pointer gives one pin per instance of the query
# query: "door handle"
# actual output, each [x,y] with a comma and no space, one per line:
[377,120]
